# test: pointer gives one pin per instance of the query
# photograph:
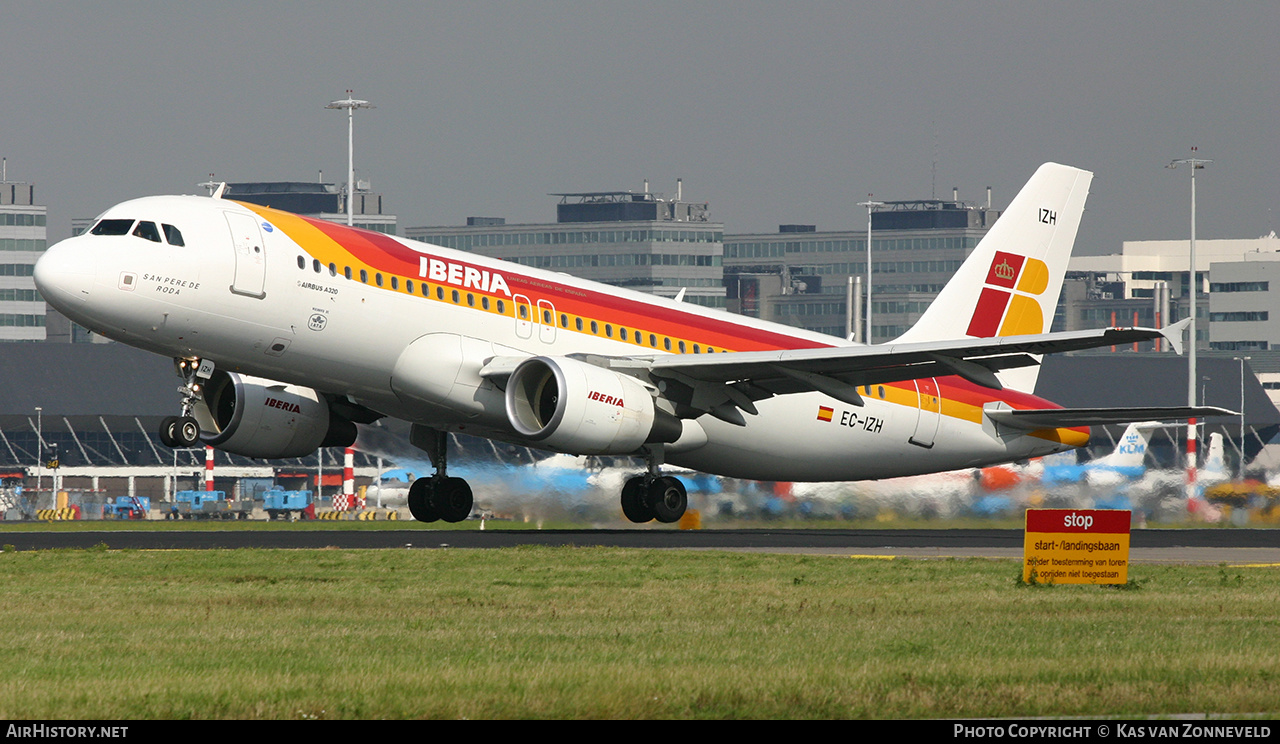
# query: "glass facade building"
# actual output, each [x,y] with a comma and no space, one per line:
[799,276]
[23,238]
[679,249]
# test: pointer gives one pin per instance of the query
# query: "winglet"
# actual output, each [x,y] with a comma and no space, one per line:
[1173,334]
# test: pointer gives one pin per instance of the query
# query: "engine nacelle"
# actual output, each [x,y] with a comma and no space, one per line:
[255,417]
[571,406]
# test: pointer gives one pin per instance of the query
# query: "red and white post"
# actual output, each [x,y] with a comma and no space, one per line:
[208,468]
[348,477]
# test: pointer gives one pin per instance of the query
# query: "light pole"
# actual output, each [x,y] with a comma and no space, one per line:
[870,205]
[350,104]
[39,452]
[1240,470]
[1195,164]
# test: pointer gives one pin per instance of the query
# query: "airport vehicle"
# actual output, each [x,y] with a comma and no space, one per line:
[289,332]
[282,504]
[127,507]
[209,505]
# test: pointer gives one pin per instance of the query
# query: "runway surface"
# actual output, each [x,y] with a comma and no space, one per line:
[1203,546]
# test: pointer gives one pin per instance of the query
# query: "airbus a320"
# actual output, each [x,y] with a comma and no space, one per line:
[289,332]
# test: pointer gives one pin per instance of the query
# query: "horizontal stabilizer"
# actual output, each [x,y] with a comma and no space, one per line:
[1053,418]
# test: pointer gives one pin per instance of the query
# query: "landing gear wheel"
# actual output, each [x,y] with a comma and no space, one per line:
[187,433]
[168,428]
[668,499]
[633,501]
[451,499]
[420,501]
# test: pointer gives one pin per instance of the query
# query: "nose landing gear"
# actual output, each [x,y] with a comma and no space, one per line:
[181,432]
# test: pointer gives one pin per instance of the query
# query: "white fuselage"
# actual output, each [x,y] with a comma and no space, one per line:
[253,290]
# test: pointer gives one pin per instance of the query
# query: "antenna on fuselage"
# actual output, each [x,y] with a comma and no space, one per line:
[216,188]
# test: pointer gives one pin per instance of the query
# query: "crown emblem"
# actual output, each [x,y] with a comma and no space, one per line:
[1004,271]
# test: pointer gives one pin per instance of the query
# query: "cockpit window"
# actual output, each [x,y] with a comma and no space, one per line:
[112,227]
[173,235]
[147,231]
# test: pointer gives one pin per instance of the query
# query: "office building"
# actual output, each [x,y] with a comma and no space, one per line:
[23,238]
[638,240]
[799,276]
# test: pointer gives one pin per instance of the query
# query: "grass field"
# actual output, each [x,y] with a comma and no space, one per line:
[611,633]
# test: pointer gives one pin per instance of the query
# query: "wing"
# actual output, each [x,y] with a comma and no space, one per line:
[1051,418]
[725,385]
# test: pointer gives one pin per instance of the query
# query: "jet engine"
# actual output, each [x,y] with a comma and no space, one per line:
[256,417]
[570,406]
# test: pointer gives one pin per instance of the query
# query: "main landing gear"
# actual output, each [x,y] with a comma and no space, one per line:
[653,495]
[182,432]
[437,497]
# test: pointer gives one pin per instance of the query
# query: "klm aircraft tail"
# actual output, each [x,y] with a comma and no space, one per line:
[1131,450]
[1009,285]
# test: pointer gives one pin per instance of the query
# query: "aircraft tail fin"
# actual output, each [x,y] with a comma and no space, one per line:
[1214,460]
[1131,450]
[1009,285]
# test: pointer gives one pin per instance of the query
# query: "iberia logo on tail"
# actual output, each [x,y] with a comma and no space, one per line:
[1009,304]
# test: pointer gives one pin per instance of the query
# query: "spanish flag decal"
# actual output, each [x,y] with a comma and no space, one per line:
[824,413]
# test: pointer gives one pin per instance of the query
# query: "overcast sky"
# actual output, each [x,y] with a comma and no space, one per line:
[771,112]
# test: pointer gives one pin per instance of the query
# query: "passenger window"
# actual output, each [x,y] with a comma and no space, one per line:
[112,227]
[173,235]
[147,231]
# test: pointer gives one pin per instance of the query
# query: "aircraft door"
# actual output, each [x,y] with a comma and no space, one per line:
[524,323]
[250,255]
[929,413]
[546,322]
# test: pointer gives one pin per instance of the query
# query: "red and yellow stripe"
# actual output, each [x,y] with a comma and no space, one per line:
[344,247]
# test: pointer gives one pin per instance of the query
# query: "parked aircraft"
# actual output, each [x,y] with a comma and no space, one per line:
[1125,463]
[290,331]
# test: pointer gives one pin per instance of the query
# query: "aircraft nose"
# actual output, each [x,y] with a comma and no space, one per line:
[64,276]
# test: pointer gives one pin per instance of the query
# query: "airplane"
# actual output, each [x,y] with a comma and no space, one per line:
[290,332]
[1124,463]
